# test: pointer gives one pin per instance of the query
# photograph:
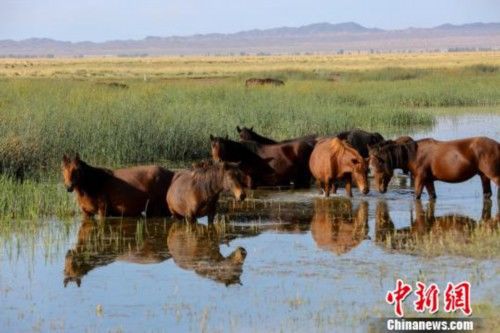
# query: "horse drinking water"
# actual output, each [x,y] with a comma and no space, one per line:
[429,160]
[194,193]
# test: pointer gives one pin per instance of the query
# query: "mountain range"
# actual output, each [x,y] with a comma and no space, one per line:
[313,38]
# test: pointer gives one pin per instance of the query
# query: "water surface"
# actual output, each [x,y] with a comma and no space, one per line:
[282,260]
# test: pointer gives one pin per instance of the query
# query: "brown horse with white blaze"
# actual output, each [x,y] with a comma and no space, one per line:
[194,193]
[334,159]
[449,161]
[122,192]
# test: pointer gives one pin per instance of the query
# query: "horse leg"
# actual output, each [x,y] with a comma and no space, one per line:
[348,186]
[485,181]
[326,187]
[419,186]
[319,184]
[333,188]
[486,212]
[429,186]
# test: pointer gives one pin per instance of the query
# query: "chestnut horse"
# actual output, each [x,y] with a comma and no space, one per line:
[285,162]
[248,134]
[194,193]
[122,192]
[449,161]
[334,159]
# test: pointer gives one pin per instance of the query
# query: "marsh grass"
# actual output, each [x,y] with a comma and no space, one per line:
[482,242]
[155,122]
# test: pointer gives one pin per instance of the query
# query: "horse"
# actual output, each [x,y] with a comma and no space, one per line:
[122,192]
[196,247]
[272,165]
[248,134]
[360,140]
[336,227]
[100,244]
[194,193]
[334,159]
[449,161]
[261,82]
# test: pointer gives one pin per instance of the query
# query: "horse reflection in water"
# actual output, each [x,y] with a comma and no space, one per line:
[336,227]
[192,246]
[458,227]
[195,246]
[100,244]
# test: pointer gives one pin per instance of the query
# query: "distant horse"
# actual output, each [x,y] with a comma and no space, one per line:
[99,245]
[121,192]
[196,247]
[338,228]
[248,134]
[449,161]
[334,159]
[273,165]
[194,193]
[261,82]
[361,140]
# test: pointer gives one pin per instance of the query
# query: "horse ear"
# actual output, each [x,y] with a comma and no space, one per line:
[238,129]
[227,137]
[65,159]
[77,157]
[212,137]
[251,128]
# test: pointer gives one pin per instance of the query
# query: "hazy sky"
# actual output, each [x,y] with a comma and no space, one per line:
[98,20]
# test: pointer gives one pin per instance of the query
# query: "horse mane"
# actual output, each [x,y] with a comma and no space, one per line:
[93,177]
[338,147]
[397,155]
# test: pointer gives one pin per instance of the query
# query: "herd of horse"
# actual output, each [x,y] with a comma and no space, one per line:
[257,161]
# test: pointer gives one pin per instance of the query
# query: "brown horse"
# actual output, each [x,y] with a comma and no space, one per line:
[261,82]
[449,161]
[196,247]
[336,227]
[334,159]
[248,134]
[100,244]
[258,170]
[194,193]
[122,192]
[277,164]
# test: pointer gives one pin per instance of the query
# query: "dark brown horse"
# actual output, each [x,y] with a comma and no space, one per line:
[449,161]
[336,227]
[100,244]
[257,168]
[248,134]
[196,247]
[122,192]
[275,165]
[334,159]
[194,193]
[262,82]
[361,140]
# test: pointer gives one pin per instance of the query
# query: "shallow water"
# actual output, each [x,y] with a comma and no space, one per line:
[310,264]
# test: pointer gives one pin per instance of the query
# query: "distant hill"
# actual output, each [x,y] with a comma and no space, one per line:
[314,38]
